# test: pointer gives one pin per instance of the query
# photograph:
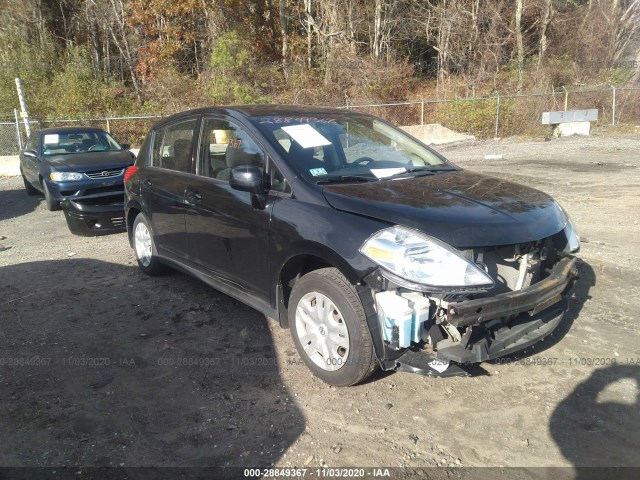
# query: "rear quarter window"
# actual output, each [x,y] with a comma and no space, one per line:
[173,146]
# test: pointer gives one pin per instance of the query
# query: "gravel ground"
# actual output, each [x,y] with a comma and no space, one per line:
[102,366]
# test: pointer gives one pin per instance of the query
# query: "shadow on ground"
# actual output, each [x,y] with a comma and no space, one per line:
[15,203]
[598,424]
[102,366]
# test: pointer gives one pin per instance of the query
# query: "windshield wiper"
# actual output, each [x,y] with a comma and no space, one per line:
[344,179]
[421,170]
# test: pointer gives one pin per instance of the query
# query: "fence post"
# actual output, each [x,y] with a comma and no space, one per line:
[23,106]
[421,110]
[108,126]
[566,97]
[497,114]
[613,106]
[18,133]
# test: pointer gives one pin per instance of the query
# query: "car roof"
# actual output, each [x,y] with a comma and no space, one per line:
[258,110]
[68,130]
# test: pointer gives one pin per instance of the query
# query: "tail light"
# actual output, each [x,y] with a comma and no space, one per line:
[129,172]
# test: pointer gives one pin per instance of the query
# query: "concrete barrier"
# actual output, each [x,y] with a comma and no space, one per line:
[9,166]
[436,134]
[571,122]
[567,129]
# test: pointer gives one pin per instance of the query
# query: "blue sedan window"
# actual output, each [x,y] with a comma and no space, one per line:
[67,142]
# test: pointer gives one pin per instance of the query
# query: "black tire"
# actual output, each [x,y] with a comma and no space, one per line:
[361,361]
[31,190]
[152,266]
[51,203]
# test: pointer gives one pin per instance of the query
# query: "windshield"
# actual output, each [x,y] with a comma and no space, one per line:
[79,141]
[348,147]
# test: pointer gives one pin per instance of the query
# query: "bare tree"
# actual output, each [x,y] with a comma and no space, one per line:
[519,43]
[351,27]
[547,17]
[114,19]
[309,27]
[623,17]
[283,11]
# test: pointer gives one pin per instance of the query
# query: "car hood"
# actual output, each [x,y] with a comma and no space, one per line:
[86,162]
[464,209]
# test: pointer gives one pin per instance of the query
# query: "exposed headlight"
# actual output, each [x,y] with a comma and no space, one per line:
[416,260]
[65,176]
[573,239]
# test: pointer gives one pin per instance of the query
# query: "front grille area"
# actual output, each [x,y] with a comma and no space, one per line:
[112,188]
[102,201]
[503,263]
[118,222]
[98,174]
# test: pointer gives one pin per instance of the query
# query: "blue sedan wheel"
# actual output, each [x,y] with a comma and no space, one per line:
[31,190]
[52,204]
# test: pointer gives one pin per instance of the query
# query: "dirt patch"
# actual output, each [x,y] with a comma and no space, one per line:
[103,366]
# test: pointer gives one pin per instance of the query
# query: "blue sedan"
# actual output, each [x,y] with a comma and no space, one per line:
[82,167]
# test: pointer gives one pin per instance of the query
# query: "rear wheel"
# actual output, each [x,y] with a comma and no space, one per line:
[329,328]
[145,249]
[52,204]
[31,190]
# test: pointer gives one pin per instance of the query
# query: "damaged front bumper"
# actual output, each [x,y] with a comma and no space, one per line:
[474,331]
[538,310]
[89,217]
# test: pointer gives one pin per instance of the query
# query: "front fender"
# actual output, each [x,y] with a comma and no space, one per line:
[300,229]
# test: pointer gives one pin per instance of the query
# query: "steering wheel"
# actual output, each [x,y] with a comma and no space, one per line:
[363,160]
[96,148]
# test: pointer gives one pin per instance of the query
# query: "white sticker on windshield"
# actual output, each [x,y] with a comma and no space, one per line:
[317,171]
[52,139]
[387,172]
[306,136]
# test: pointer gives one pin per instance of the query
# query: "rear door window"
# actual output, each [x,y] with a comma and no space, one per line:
[173,146]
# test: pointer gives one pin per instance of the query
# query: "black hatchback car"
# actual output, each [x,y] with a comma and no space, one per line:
[81,168]
[371,247]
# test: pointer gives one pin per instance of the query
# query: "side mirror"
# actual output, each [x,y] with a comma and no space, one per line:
[125,146]
[247,179]
[30,154]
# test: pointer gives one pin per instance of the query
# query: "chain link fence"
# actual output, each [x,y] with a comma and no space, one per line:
[484,117]
[507,115]
[401,113]
[628,106]
[10,143]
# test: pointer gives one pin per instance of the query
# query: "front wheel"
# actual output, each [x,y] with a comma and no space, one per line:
[145,249]
[31,190]
[52,203]
[329,328]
